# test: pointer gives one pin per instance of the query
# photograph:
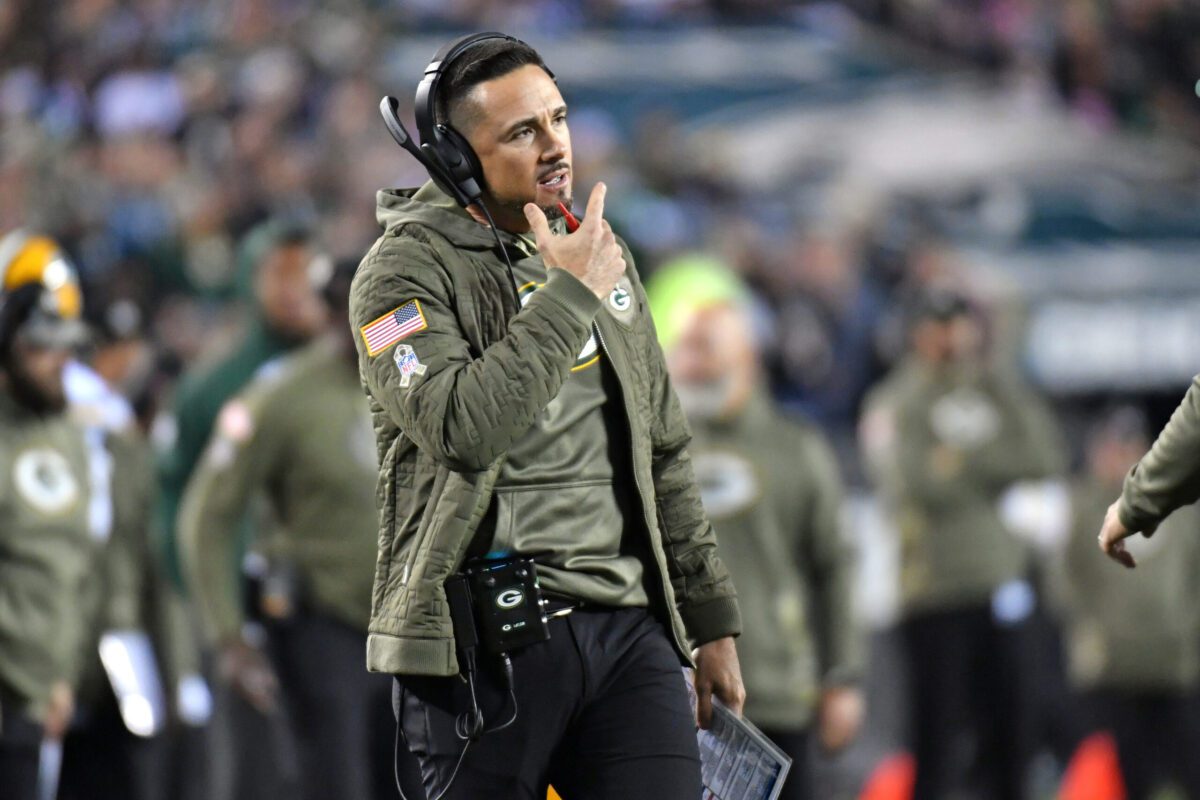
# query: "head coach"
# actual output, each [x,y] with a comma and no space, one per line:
[522,411]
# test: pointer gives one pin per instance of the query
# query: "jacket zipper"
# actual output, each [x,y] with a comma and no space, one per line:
[638,488]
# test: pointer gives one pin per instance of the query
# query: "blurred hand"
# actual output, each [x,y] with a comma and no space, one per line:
[718,672]
[59,710]
[1112,537]
[246,668]
[840,716]
[590,253]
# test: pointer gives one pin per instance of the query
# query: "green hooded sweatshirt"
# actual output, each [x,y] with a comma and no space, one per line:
[944,444]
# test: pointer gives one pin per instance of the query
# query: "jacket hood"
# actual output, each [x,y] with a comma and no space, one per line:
[433,208]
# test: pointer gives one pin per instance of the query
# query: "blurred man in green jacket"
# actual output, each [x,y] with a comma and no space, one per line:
[274,262]
[273,266]
[1133,641]
[945,435]
[772,490]
[300,435]
[47,547]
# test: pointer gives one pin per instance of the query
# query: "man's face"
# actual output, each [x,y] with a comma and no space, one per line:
[958,339]
[517,125]
[286,295]
[713,362]
[36,375]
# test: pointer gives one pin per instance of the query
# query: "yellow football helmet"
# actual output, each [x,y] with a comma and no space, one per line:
[54,318]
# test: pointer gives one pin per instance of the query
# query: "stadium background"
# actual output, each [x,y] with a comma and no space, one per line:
[842,156]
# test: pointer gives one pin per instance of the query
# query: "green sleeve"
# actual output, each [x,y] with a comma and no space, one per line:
[1168,476]
[467,408]
[827,563]
[704,590]
[193,419]
[245,447]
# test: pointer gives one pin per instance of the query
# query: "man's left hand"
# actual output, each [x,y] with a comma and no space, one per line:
[718,672]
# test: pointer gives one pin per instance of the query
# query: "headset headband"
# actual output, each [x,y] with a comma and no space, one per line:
[425,106]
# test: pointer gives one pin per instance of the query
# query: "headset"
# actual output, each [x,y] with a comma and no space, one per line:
[443,151]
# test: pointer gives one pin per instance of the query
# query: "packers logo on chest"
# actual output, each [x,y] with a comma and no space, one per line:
[44,479]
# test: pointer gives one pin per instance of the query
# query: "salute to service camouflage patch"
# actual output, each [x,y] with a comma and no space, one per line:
[392,327]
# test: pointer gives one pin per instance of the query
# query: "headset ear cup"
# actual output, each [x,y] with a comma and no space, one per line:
[468,166]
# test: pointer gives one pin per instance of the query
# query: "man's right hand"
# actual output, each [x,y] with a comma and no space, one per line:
[246,668]
[591,253]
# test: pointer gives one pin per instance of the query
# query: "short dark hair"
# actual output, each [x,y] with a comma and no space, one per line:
[490,59]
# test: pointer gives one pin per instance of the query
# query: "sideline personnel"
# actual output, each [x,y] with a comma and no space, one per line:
[547,429]
[945,435]
[47,548]
[300,434]
[772,490]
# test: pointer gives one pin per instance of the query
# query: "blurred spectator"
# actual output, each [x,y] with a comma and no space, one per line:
[301,435]
[944,435]
[1133,638]
[49,539]
[772,490]
[275,264]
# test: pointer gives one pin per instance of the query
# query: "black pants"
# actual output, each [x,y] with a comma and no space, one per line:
[338,712]
[20,754]
[603,712]
[1157,735]
[102,760]
[798,785]
[969,713]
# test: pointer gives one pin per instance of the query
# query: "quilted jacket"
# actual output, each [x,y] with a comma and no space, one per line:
[469,376]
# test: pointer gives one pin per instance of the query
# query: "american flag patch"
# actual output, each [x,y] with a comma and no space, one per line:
[392,327]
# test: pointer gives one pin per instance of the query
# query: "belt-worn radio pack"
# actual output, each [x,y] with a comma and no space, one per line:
[497,604]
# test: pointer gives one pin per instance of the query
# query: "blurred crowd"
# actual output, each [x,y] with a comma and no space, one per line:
[154,138]
[1125,63]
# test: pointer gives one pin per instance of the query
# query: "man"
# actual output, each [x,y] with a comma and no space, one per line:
[945,435]
[300,434]
[244,747]
[285,312]
[1133,642]
[547,429]
[772,489]
[47,548]
[1166,478]
[102,758]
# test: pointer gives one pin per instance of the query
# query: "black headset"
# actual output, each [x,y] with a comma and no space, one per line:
[444,152]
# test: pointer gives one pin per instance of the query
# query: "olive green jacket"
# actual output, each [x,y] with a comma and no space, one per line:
[469,378]
[47,556]
[1169,475]
[772,490]
[300,436]
[943,446]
